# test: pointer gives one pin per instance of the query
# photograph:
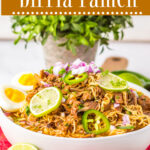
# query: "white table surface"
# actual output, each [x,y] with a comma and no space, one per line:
[138,55]
[15,59]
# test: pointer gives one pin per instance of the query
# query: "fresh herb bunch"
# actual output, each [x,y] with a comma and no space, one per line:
[77,30]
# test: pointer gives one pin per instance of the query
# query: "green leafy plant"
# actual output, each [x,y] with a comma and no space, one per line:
[77,30]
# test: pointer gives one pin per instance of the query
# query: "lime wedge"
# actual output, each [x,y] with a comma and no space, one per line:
[22,146]
[46,101]
[112,82]
[131,78]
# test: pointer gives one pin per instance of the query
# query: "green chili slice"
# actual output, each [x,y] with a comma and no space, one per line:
[74,79]
[125,127]
[94,122]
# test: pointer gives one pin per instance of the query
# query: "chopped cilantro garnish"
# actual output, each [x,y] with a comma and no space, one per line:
[80,106]
[69,105]
[101,69]
[112,100]
[62,71]
[105,73]
[27,110]
[66,124]
[129,112]
[66,90]
[50,70]
[63,86]
[117,97]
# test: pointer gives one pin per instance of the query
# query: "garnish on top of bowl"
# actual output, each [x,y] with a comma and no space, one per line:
[79,100]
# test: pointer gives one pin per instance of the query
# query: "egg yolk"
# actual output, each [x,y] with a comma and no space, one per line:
[14,95]
[27,79]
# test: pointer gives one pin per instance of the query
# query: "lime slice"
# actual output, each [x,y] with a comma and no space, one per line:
[22,146]
[131,78]
[112,82]
[45,101]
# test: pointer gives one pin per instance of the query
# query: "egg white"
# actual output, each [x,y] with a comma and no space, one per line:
[6,103]
[15,82]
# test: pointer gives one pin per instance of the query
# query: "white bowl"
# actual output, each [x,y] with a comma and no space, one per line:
[136,140]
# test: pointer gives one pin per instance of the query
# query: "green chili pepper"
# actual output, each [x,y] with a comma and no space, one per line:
[74,79]
[92,121]
[125,127]
[27,110]
[135,73]
[147,85]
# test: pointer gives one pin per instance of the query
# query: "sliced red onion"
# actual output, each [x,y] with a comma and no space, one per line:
[46,73]
[82,64]
[77,67]
[126,120]
[79,70]
[90,70]
[65,66]
[7,114]
[63,100]
[112,127]
[131,90]
[47,85]
[57,69]
[77,62]
[62,114]
[98,71]
[75,71]
[134,92]
[93,68]
[116,105]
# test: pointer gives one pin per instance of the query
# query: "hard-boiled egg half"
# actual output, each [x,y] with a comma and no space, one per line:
[24,81]
[11,98]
